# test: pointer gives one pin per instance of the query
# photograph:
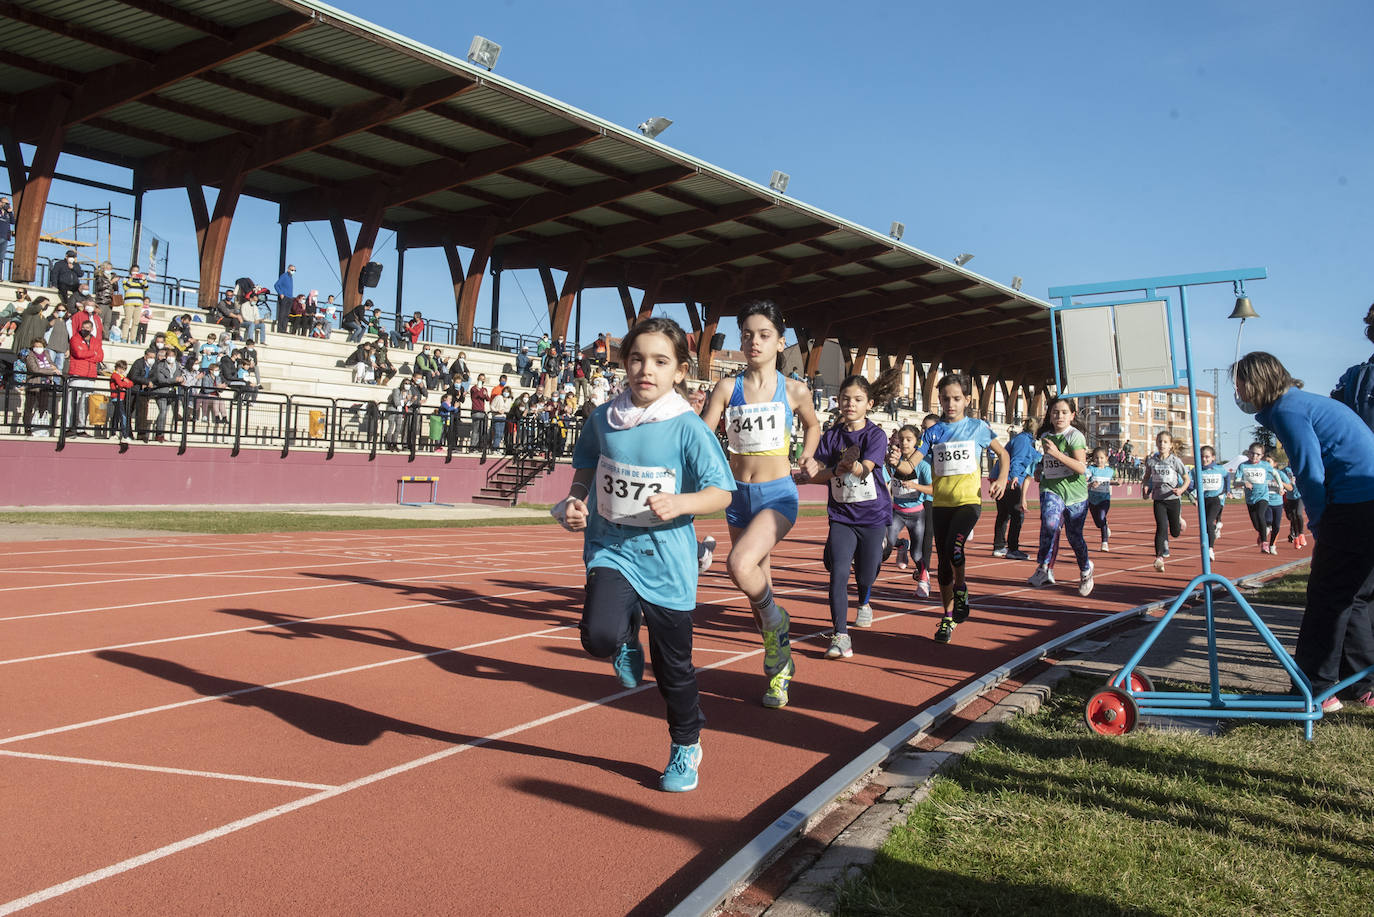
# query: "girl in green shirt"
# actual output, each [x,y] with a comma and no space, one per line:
[1063,493]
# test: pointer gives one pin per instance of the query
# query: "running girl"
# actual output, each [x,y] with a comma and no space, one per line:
[911,491]
[1063,494]
[1166,480]
[1292,508]
[645,465]
[850,456]
[1255,474]
[955,444]
[760,407]
[1278,486]
[1214,481]
[1100,478]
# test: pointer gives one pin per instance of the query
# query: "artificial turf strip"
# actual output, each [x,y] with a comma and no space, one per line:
[1047,818]
[1289,590]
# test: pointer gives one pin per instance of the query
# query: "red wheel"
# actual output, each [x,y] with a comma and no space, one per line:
[1139,681]
[1111,712]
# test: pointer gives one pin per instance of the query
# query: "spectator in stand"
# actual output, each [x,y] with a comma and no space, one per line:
[582,378]
[39,388]
[441,368]
[87,353]
[135,301]
[118,418]
[414,328]
[85,310]
[296,315]
[398,403]
[543,345]
[376,325]
[229,314]
[384,368]
[502,386]
[328,317]
[442,422]
[426,366]
[209,407]
[458,370]
[355,322]
[312,311]
[167,378]
[105,286]
[254,328]
[6,231]
[549,369]
[500,405]
[66,276]
[286,294]
[59,337]
[247,358]
[13,310]
[601,352]
[600,388]
[480,399]
[817,389]
[364,363]
[141,377]
[209,353]
[522,366]
[515,422]
[418,389]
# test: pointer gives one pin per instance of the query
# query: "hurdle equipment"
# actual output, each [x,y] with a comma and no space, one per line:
[430,479]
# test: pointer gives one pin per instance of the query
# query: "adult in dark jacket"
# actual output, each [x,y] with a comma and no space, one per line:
[6,232]
[32,323]
[141,375]
[355,323]
[285,289]
[166,379]
[66,276]
[1356,386]
[105,281]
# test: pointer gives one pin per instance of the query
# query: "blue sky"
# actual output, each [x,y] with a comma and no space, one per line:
[1067,143]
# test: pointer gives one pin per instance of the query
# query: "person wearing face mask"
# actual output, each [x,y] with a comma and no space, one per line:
[59,336]
[42,375]
[166,384]
[66,276]
[1332,456]
[140,391]
[87,353]
[85,310]
[32,323]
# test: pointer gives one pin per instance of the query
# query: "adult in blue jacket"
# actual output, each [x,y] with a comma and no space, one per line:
[1332,455]
[1011,506]
[286,291]
[1356,386]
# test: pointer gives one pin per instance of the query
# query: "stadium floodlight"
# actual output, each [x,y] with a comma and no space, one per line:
[779,181]
[1016,283]
[963,259]
[652,127]
[483,52]
[897,230]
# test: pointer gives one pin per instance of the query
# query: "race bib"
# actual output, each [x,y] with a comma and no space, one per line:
[1101,485]
[623,491]
[953,458]
[1211,481]
[1254,475]
[850,489]
[1165,476]
[1052,469]
[756,427]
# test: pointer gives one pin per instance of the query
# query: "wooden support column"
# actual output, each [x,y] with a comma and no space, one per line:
[14,164]
[562,307]
[32,198]
[456,275]
[813,354]
[362,251]
[1038,404]
[928,394]
[860,355]
[693,317]
[472,285]
[627,303]
[342,248]
[649,299]
[212,235]
[710,318]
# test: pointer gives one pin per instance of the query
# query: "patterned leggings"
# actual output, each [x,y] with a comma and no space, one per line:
[1056,516]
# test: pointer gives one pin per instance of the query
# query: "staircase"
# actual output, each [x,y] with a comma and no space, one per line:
[509,478]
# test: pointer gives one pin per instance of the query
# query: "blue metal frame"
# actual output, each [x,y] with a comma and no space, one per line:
[1304,707]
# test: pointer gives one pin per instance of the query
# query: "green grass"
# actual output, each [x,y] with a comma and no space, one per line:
[1046,818]
[1288,590]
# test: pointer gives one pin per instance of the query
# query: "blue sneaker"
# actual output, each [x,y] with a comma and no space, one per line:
[629,664]
[681,773]
[777,646]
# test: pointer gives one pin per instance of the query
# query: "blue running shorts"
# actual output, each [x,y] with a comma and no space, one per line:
[749,500]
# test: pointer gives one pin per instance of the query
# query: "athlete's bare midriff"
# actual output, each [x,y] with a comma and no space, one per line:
[757,469]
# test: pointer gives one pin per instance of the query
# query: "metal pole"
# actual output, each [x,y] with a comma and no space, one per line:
[400,275]
[577,321]
[495,298]
[138,222]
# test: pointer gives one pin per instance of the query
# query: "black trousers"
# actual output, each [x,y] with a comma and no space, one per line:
[1293,509]
[1336,638]
[861,547]
[1006,530]
[1213,506]
[953,524]
[612,614]
[1168,521]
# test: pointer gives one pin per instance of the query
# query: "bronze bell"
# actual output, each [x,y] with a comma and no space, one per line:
[1243,309]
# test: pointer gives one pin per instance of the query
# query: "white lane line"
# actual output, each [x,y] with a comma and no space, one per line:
[123,765]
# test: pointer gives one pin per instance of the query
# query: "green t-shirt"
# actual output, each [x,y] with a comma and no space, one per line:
[1058,478]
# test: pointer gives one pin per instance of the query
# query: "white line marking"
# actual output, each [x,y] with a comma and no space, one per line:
[167,770]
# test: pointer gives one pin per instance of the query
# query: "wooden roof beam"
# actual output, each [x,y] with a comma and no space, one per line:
[84,34]
[167,11]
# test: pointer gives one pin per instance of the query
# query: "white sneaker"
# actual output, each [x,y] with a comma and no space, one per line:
[1000,552]
[1211,554]
[1041,577]
[1085,581]
[865,616]
[1218,538]
[923,586]
[705,551]
[1105,549]
[901,555]
[1159,564]
[1182,525]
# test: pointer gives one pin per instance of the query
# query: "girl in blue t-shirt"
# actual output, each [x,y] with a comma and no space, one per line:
[911,491]
[1279,485]
[850,456]
[1213,481]
[1255,475]
[1293,509]
[1100,478]
[645,465]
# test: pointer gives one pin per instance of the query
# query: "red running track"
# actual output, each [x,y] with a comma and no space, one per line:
[405,722]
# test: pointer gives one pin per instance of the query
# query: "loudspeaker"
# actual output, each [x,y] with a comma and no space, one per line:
[370,275]
[718,341]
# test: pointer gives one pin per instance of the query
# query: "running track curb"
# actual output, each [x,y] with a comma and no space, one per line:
[814,893]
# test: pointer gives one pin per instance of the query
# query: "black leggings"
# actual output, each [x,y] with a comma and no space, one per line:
[859,546]
[1213,505]
[953,525]
[1168,524]
[928,539]
[1006,528]
[1098,512]
[1294,511]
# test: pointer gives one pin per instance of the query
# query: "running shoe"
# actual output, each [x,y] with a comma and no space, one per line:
[1159,564]
[1182,525]
[945,631]
[901,555]
[1042,576]
[999,552]
[1332,704]
[1366,699]
[1085,581]
[705,552]
[1105,548]
[840,647]
[777,646]
[923,585]
[680,775]
[776,695]
[865,616]
[1218,538]
[960,611]
[628,663]
[1211,554]
[1017,555]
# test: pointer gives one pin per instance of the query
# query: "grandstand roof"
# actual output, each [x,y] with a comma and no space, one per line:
[332,116]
